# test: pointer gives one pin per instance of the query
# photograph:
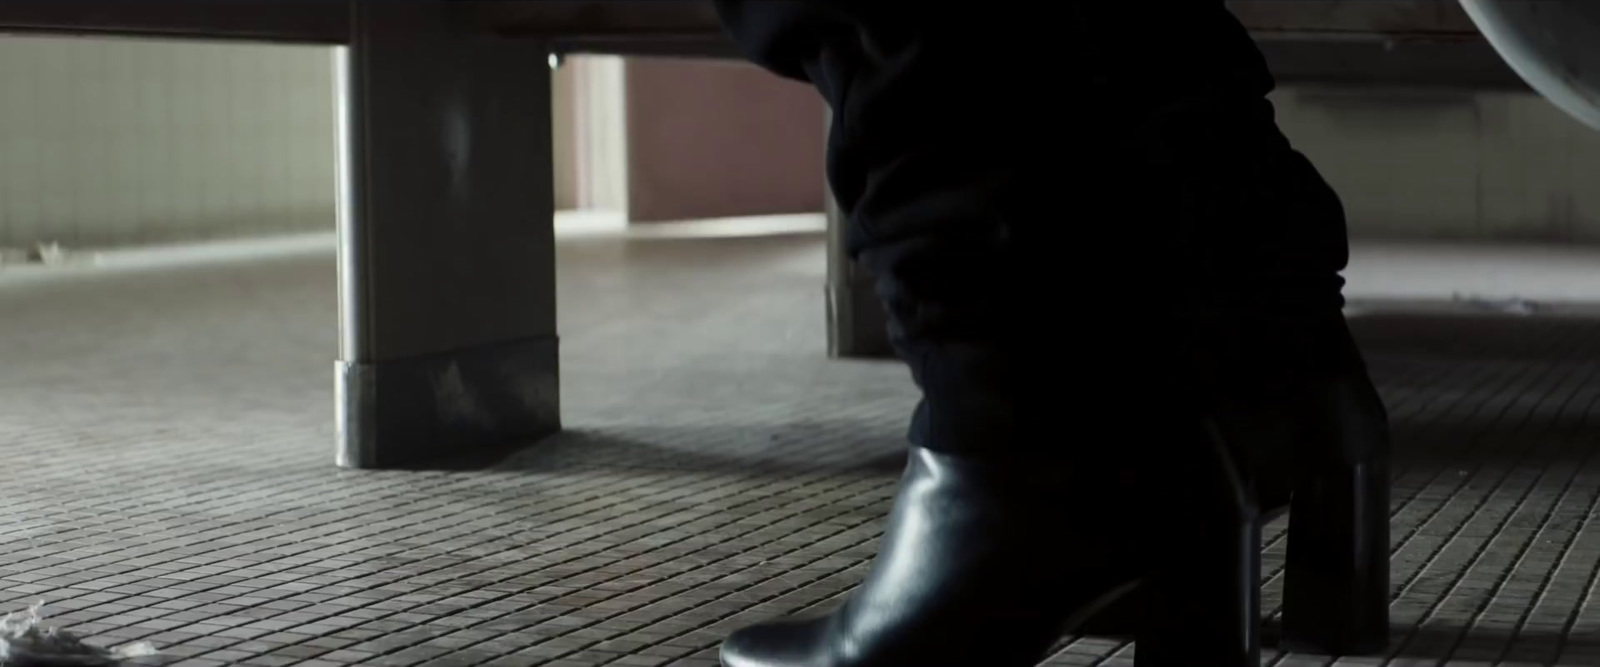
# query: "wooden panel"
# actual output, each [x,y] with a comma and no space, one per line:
[680,27]
[652,28]
[318,22]
[1391,19]
[1465,64]
[661,19]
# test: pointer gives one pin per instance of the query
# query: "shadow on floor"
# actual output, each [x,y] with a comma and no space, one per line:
[697,449]
[1471,337]
[1488,385]
[1441,642]
[1437,642]
[1476,393]
[1473,390]
[702,449]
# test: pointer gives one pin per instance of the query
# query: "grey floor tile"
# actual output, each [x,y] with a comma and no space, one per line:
[176,429]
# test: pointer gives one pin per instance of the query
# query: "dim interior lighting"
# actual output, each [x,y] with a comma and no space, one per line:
[555,60]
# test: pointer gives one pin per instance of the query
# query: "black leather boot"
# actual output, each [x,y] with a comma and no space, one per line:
[1320,451]
[984,562]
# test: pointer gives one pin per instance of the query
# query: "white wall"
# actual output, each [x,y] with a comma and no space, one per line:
[116,141]
[1459,165]
[563,118]
[599,132]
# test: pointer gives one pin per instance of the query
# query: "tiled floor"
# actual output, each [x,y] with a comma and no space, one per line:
[166,443]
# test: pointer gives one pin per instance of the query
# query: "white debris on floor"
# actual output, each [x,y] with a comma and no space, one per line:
[25,641]
[45,254]
[1509,306]
[49,254]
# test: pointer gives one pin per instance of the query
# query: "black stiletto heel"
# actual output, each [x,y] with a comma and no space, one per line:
[1336,583]
[1203,606]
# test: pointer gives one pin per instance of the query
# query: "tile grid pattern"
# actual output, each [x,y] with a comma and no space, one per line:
[169,429]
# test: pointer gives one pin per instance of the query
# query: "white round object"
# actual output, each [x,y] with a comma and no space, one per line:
[1554,45]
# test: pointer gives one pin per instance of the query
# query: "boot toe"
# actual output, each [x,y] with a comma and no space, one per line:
[792,643]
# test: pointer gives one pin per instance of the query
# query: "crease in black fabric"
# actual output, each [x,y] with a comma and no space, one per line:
[1052,207]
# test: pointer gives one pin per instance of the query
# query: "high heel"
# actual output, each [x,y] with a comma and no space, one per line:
[1336,580]
[1203,605]
[1336,585]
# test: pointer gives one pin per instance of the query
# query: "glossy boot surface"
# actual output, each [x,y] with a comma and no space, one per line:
[1322,456]
[982,562]
[1203,597]
[1336,577]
